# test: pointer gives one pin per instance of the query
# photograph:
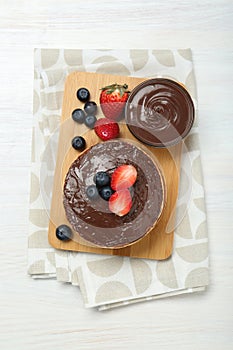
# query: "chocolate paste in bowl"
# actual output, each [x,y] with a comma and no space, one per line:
[159,112]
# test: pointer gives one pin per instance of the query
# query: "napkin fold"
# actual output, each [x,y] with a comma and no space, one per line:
[113,281]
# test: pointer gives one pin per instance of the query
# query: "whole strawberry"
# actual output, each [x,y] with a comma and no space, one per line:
[106,129]
[112,100]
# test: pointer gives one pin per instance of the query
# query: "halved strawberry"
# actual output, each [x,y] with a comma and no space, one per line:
[113,99]
[120,202]
[123,177]
[106,129]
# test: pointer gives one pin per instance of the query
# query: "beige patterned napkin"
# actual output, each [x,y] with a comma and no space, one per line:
[107,281]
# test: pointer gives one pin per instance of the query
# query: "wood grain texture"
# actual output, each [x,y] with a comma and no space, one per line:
[158,243]
[47,315]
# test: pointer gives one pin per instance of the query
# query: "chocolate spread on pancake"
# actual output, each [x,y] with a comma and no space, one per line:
[91,219]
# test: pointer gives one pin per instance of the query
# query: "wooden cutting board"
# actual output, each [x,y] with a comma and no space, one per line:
[158,243]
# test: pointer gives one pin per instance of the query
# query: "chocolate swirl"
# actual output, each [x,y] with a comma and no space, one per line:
[159,112]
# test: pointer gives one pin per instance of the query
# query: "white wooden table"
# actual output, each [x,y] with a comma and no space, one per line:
[48,315]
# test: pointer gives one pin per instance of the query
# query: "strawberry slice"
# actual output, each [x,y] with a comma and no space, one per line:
[120,202]
[123,177]
[106,129]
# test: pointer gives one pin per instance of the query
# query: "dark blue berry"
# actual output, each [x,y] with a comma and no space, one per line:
[83,94]
[92,192]
[90,121]
[78,143]
[90,107]
[78,115]
[63,232]
[105,192]
[101,179]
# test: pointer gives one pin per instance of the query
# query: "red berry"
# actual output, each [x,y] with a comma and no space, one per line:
[113,99]
[123,177]
[120,202]
[106,129]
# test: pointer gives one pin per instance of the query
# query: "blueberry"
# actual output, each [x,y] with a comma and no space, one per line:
[83,94]
[92,192]
[90,107]
[90,121]
[105,192]
[78,143]
[63,232]
[78,115]
[101,179]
